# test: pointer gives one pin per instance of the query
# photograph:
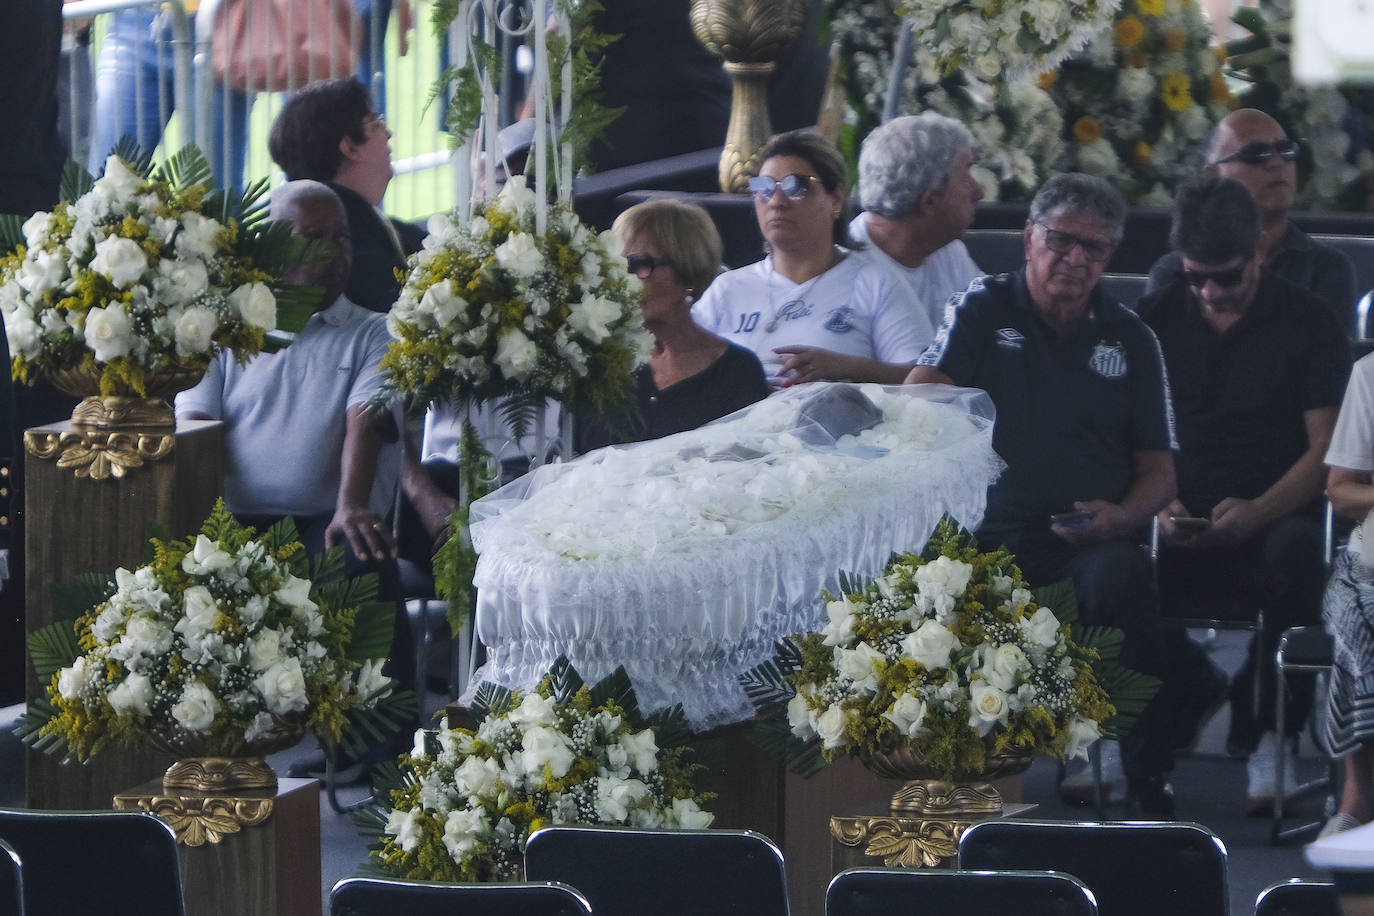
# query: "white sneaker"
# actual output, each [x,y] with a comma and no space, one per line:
[1079,786]
[1262,772]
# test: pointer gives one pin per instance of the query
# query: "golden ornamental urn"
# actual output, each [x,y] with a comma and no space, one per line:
[748,35]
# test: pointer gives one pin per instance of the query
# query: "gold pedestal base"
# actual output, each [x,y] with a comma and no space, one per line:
[937,798]
[905,842]
[219,774]
[100,453]
[198,818]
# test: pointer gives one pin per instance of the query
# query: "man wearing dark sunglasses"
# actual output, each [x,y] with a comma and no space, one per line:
[1258,367]
[1252,148]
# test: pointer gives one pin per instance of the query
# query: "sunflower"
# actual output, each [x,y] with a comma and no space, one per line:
[1175,39]
[1150,7]
[1142,154]
[1177,92]
[1086,129]
[1129,32]
[1047,79]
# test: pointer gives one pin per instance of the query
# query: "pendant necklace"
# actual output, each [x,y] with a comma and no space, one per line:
[799,297]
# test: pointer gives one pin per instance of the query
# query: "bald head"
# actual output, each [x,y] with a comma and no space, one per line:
[1270,179]
[315,212]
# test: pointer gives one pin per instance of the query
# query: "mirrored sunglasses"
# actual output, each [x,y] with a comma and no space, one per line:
[794,186]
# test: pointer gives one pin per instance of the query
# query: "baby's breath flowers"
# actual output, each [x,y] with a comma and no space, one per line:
[948,653]
[217,647]
[561,754]
[492,309]
[143,270]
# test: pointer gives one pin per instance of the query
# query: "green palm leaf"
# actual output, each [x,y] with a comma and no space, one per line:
[76,596]
[52,648]
[615,688]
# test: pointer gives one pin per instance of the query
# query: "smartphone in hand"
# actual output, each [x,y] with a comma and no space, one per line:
[1078,519]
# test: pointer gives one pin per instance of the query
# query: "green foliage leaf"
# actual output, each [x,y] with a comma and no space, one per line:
[615,688]
[489,700]
[1060,598]
[11,232]
[564,681]
[766,686]
[76,596]
[366,729]
[670,727]
[75,182]
[185,168]
[52,648]
[774,737]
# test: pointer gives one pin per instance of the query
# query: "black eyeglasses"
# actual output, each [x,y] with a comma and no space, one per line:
[642,265]
[794,186]
[1197,279]
[1258,153]
[1063,242]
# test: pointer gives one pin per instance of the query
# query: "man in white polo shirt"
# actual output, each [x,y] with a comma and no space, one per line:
[919,197]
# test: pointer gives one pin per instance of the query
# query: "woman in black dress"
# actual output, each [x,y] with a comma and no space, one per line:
[693,376]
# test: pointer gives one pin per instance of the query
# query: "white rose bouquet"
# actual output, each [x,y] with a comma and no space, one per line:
[948,655]
[218,647]
[564,753]
[141,271]
[495,310]
[1000,40]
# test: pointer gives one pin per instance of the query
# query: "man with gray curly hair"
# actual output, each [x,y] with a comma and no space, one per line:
[918,197]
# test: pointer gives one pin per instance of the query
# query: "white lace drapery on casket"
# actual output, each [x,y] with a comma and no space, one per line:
[686,559]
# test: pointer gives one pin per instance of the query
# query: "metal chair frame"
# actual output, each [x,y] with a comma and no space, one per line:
[384,896]
[1298,897]
[872,891]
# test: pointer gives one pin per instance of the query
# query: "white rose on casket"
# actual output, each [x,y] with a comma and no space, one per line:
[690,817]
[41,271]
[181,281]
[72,681]
[642,750]
[442,303]
[801,718]
[406,827]
[1082,733]
[118,182]
[478,777]
[860,666]
[199,236]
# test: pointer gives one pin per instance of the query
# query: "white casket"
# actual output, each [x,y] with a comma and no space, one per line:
[685,559]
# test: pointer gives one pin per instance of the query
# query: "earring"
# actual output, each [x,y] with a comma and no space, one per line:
[689,295]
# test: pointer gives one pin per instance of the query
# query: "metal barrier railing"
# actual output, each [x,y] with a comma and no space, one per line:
[148,73]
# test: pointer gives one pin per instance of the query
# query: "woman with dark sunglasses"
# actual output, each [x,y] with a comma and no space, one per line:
[1252,148]
[815,308]
[693,376]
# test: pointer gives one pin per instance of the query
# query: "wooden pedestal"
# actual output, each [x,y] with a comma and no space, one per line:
[270,868]
[78,524]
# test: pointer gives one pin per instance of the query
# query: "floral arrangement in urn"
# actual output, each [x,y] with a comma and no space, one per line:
[564,753]
[1139,101]
[495,309]
[143,272]
[1003,40]
[948,658]
[227,644]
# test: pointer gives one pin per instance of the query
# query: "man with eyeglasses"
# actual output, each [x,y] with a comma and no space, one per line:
[919,197]
[1084,424]
[1250,146]
[330,132]
[1258,367]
